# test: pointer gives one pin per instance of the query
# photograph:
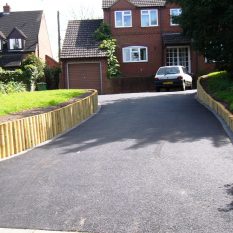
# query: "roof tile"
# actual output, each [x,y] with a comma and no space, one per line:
[137,3]
[28,22]
[79,40]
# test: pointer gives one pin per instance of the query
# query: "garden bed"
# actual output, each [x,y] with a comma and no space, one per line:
[30,128]
[219,86]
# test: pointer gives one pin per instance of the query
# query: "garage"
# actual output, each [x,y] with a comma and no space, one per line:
[84,76]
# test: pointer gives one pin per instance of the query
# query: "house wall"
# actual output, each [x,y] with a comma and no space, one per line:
[107,85]
[44,47]
[151,37]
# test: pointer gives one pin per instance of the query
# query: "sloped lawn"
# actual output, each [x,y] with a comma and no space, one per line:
[220,86]
[18,102]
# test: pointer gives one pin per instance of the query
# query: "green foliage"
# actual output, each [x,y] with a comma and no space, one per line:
[109,46]
[9,75]
[33,69]
[52,75]
[209,23]
[32,59]
[2,88]
[36,99]
[103,32]
[12,87]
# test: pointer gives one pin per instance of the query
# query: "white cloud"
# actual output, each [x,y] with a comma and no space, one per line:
[69,9]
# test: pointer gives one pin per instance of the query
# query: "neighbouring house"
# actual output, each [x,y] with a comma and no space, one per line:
[22,33]
[147,37]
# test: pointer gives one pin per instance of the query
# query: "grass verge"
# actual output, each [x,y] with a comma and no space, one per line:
[18,102]
[220,86]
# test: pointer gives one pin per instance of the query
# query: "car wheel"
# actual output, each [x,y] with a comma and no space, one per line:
[157,89]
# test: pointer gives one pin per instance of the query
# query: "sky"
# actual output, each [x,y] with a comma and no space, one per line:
[68,9]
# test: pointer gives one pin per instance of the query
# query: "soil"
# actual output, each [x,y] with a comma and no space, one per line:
[37,111]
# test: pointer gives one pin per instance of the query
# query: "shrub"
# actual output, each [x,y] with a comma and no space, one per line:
[2,88]
[52,75]
[33,70]
[9,75]
[12,87]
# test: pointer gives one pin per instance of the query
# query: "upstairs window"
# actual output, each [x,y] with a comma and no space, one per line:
[173,14]
[149,18]
[135,54]
[123,19]
[15,44]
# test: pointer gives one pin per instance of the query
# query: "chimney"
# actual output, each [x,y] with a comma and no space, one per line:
[6,9]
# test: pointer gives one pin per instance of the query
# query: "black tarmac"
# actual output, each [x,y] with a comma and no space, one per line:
[146,163]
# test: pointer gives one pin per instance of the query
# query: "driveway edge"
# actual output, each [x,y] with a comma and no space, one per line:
[221,113]
[53,139]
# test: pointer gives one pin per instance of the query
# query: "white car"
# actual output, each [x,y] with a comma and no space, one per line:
[173,76]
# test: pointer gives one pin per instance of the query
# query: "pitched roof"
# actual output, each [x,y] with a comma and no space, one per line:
[137,3]
[20,32]
[28,22]
[175,38]
[79,40]
[2,36]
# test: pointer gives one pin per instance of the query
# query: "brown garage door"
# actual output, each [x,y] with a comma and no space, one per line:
[84,76]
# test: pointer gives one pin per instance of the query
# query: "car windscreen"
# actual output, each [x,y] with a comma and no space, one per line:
[161,71]
[168,70]
[172,70]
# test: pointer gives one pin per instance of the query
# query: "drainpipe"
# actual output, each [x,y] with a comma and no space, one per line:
[161,33]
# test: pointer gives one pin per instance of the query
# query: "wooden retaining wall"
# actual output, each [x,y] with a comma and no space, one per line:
[22,134]
[226,115]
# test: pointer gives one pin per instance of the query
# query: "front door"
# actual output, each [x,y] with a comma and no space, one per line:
[178,56]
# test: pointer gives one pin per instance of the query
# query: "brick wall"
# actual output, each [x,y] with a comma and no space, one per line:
[151,37]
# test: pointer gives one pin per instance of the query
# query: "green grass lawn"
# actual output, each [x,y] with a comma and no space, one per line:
[220,86]
[17,102]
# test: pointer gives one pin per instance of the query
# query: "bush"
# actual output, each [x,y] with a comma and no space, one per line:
[33,70]
[12,87]
[52,75]
[12,76]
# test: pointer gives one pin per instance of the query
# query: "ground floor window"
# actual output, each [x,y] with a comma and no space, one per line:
[135,54]
[178,56]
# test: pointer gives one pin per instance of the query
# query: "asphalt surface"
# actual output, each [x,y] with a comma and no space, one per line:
[146,163]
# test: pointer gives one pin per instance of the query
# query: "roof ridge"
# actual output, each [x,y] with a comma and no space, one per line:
[138,3]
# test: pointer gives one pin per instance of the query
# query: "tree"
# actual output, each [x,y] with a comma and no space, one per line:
[33,68]
[209,24]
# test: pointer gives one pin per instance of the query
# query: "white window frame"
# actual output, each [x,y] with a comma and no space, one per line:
[149,14]
[131,48]
[12,43]
[189,55]
[172,15]
[124,13]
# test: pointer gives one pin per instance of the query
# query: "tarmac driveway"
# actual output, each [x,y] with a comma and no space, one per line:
[149,162]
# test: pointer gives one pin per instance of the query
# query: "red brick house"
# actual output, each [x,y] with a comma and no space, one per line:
[22,33]
[147,38]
